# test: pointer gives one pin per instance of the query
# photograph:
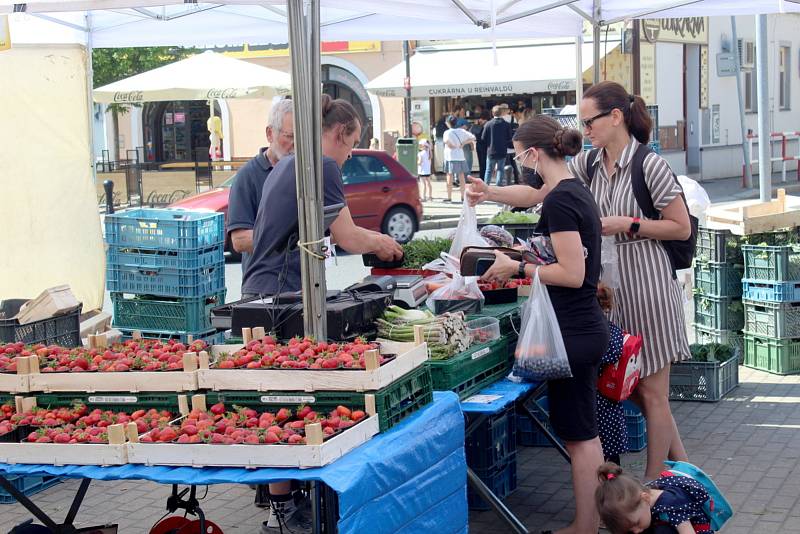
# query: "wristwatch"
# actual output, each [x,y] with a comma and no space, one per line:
[521,271]
[634,229]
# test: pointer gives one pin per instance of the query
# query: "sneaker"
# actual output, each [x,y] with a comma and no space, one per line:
[286,518]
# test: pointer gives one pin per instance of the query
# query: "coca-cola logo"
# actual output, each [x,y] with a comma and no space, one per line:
[128,97]
[558,86]
[222,93]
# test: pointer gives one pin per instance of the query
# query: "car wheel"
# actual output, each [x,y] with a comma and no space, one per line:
[400,223]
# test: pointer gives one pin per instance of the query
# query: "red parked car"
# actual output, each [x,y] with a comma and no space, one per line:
[382,195]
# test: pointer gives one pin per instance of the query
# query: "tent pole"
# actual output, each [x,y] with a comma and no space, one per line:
[304,43]
[748,170]
[596,41]
[764,148]
[90,91]
[578,78]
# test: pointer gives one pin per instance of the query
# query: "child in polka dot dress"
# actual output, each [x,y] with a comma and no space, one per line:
[668,505]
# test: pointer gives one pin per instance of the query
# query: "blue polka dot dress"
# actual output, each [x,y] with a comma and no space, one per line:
[682,501]
[610,416]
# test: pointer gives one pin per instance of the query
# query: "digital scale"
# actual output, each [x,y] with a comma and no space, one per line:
[409,289]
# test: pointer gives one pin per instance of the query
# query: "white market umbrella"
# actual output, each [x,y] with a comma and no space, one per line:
[204,76]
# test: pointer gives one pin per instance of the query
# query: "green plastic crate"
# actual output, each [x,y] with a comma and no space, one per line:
[777,356]
[473,369]
[394,402]
[703,381]
[718,279]
[719,313]
[179,315]
[734,339]
[772,263]
[122,402]
[772,319]
[717,246]
[509,315]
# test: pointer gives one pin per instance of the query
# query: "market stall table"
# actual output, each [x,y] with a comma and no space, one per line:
[410,479]
[494,399]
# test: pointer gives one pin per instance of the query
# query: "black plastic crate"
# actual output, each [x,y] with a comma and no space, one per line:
[494,441]
[502,481]
[64,330]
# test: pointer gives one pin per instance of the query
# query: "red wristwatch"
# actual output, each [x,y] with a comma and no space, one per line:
[634,229]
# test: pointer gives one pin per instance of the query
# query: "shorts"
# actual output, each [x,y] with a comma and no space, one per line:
[424,175]
[573,401]
[456,167]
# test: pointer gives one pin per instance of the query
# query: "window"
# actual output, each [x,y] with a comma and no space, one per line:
[364,169]
[750,90]
[784,77]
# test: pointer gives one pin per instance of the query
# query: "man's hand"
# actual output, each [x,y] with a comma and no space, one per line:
[477,191]
[502,269]
[387,249]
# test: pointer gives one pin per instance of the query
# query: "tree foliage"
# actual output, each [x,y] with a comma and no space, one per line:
[113,64]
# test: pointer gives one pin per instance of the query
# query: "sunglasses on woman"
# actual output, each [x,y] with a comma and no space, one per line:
[587,123]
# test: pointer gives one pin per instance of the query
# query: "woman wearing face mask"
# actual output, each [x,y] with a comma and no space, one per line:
[649,300]
[571,219]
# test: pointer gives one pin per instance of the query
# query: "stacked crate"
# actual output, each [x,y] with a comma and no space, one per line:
[492,454]
[772,304]
[718,270]
[165,269]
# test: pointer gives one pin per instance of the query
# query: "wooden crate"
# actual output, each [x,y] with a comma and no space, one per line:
[63,453]
[745,218]
[409,357]
[14,383]
[208,455]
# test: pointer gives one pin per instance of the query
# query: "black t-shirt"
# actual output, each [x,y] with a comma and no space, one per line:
[497,136]
[245,195]
[570,207]
[272,269]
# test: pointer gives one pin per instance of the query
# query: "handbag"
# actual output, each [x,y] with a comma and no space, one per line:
[618,380]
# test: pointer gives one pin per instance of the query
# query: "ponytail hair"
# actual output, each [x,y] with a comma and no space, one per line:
[545,133]
[617,497]
[611,95]
[336,112]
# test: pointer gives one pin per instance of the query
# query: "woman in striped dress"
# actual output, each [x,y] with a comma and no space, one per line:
[649,300]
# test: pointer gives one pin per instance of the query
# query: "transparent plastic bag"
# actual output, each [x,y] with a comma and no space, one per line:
[467,234]
[540,353]
[696,198]
[609,262]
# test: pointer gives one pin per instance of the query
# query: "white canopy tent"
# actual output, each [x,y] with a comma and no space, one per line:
[120,23]
[204,76]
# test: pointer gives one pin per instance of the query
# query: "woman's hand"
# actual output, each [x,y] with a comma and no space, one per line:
[616,225]
[502,269]
[477,191]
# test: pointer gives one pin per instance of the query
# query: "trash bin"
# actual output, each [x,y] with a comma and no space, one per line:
[407,153]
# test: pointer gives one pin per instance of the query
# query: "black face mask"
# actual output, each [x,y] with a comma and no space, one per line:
[533,178]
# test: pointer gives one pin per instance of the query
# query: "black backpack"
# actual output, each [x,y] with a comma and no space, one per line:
[681,253]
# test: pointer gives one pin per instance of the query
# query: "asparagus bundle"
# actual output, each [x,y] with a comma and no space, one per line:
[445,334]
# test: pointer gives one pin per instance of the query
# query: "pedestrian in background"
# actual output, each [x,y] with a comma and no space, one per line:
[480,144]
[454,162]
[497,137]
[424,170]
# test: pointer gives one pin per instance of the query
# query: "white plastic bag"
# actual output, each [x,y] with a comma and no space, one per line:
[609,262]
[467,234]
[696,197]
[540,353]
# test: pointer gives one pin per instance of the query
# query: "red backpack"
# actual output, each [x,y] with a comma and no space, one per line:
[617,381]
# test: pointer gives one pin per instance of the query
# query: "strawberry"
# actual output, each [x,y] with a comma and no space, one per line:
[218,408]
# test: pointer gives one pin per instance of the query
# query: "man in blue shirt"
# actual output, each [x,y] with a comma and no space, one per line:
[497,138]
[245,194]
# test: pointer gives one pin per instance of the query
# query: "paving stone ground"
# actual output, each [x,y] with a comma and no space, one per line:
[749,441]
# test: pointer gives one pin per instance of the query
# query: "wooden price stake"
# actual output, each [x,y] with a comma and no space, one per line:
[33,365]
[18,404]
[369,405]
[259,332]
[371,361]
[203,360]
[132,433]
[199,402]
[419,335]
[183,404]
[136,335]
[189,361]
[314,434]
[247,335]
[116,434]
[23,365]
[28,404]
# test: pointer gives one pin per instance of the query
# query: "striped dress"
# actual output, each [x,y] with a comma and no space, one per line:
[649,301]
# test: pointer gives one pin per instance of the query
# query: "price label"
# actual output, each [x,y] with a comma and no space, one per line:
[481,353]
[113,400]
[287,399]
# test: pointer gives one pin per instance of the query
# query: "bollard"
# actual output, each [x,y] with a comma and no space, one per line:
[108,186]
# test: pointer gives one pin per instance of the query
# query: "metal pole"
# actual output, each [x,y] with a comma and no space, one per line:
[407,83]
[636,78]
[748,170]
[89,91]
[764,152]
[304,32]
[578,78]
[596,40]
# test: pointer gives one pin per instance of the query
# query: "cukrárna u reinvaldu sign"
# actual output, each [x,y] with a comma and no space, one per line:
[485,89]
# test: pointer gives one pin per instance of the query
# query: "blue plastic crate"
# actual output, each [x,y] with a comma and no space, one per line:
[528,434]
[174,229]
[165,258]
[502,481]
[636,427]
[494,441]
[772,292]
[27,485]
[163,282]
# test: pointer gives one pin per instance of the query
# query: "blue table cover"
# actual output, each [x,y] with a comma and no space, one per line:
[408,480]
[509,393]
